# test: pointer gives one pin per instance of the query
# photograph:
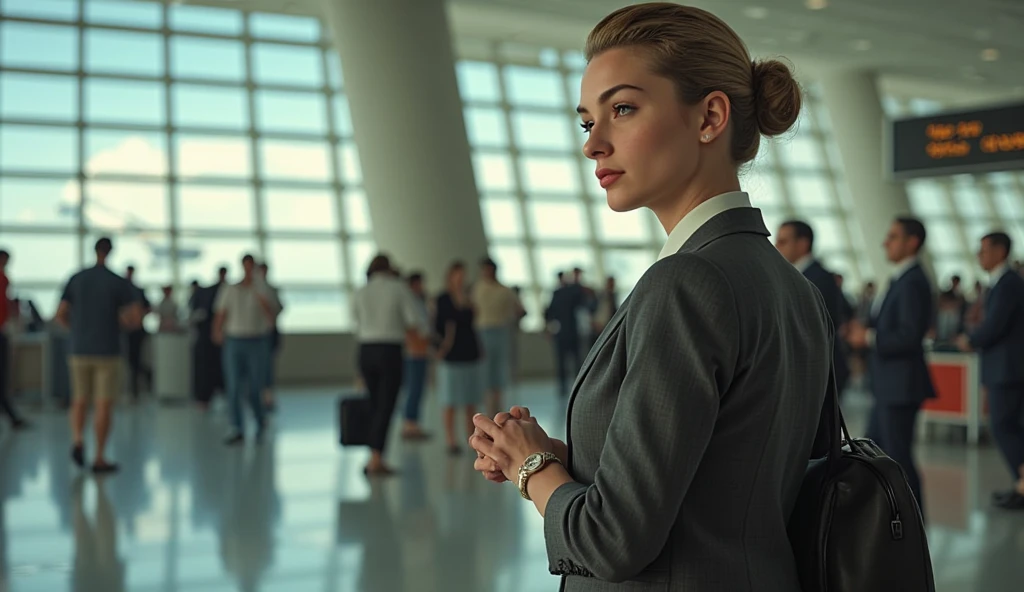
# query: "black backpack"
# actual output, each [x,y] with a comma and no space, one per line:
[856,526]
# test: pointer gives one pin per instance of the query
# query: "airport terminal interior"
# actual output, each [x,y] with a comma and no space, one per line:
[315,134]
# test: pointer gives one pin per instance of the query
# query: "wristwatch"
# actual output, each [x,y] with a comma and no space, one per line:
[532,464]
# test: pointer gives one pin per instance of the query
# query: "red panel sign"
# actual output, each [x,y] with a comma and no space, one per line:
[950,381]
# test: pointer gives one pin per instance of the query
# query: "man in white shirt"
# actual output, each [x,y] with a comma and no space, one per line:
[384,310]
[167,311]
[246,313]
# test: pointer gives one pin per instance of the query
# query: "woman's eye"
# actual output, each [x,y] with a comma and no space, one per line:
[623,109]
[586,125]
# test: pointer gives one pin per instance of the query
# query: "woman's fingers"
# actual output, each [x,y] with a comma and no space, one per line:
[486,425]
[490,469]
[519,412]
[522,414]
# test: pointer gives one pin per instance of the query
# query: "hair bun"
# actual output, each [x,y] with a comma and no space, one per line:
[777,97]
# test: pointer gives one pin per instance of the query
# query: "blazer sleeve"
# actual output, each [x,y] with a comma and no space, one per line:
[682,343]
[996,323]
[914,320]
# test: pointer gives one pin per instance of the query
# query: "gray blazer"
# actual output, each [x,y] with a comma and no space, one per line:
[691,422]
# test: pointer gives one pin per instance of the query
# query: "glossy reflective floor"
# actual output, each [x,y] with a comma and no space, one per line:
[296,514]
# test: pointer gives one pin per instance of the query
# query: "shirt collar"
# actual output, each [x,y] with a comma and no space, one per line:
[804,262]
[997,274]
[698,216]
[903,267]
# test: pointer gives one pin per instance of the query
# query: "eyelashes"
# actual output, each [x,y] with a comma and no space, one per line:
[620,109]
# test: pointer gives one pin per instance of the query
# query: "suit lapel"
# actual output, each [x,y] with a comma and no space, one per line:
[609,329]
[732,221]
[994,287]
[892,288]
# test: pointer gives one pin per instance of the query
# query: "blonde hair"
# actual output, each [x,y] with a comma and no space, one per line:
[701,54]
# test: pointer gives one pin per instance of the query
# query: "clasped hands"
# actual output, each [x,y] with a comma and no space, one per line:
[503,443]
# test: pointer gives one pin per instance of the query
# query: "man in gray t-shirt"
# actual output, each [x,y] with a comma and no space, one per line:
[96,304]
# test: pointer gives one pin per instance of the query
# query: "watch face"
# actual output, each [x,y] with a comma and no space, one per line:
[533,462]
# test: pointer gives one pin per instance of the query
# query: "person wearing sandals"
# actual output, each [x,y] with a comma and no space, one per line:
[459,353]
[96,304]
[417,361]
[384,311]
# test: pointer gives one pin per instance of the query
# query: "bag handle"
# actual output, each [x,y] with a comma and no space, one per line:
[832,430]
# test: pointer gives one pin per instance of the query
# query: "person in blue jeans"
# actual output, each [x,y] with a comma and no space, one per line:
[246,314]
[417,359]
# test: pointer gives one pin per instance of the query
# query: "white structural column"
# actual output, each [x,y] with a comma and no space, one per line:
[858,123]
[399,77]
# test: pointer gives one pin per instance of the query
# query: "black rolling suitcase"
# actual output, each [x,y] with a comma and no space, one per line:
[354,419]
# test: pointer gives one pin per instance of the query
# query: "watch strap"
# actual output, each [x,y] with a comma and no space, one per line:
[525,474]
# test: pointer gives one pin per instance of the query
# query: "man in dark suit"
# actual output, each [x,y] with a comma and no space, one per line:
[562,314]
[207,366]
[900,378]
[136,341]
[795,240]
[1000,339]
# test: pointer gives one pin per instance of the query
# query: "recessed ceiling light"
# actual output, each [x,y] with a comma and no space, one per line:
[756,12]
[990,54]
[817,4]
[862,45]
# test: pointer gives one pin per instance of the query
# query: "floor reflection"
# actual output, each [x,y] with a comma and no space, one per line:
[295,513]
[97,565]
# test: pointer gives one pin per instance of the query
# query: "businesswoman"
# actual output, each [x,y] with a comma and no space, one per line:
[691,422]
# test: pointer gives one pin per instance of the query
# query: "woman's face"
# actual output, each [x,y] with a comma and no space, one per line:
[644,140]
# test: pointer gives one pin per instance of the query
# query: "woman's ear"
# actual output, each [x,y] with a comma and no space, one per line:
[716,111]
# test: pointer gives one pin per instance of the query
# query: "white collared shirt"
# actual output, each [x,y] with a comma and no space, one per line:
[899,271]
[699,216]
[903,267]
[804,262]
[997,274]
[385,308]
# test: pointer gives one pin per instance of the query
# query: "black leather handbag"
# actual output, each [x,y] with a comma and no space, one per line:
[856,526]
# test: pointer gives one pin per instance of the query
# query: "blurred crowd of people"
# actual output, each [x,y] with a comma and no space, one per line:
[471,330]
[884,338]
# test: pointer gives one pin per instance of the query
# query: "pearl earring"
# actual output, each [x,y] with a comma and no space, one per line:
[706,137]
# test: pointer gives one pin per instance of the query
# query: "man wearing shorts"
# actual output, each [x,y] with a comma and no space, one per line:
[96,305]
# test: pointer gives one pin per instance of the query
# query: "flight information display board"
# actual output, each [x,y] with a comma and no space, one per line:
[954,143]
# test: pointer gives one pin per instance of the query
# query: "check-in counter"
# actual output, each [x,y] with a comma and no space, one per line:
[172,366]
[39,366]
[958,386]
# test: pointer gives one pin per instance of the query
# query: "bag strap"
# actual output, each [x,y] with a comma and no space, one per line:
[832,430]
